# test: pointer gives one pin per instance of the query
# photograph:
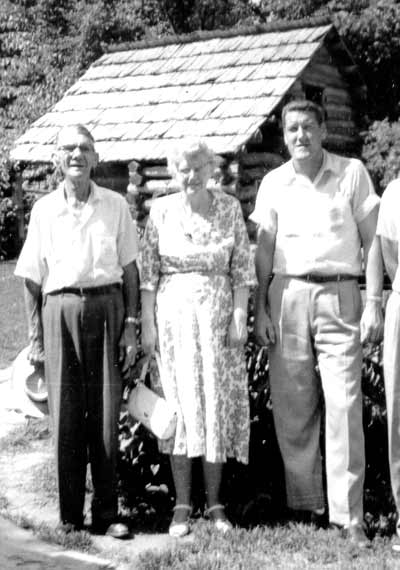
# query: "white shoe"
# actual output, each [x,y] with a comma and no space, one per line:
[222,525]
[182,528]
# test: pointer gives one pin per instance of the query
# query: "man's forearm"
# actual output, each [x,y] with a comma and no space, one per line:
[374,270]
[33,305]
[130,286]
[264,264]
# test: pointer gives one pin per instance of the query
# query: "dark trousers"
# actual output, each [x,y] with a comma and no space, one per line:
[81,335]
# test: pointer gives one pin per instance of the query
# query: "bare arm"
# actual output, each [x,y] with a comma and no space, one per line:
[264,261]
[128,341]
[390,252]
[237,334]
[149,331]
[372,318]
[33,304]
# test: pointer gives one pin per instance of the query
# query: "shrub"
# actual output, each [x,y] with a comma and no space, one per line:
[381,152]
[8,229]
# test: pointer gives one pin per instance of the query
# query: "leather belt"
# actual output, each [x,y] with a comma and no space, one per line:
[318,278]
[84,291]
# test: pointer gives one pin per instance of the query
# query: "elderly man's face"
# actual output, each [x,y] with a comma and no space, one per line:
[303,135]
[75,155]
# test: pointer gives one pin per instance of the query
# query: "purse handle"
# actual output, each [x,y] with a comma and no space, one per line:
[146,365]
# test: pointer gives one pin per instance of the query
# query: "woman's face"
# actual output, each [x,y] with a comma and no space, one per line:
[192,174]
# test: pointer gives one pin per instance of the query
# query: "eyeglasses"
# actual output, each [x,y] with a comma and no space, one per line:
[83,148]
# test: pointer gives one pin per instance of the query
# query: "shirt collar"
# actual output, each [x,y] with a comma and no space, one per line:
[61,206]
[329,164]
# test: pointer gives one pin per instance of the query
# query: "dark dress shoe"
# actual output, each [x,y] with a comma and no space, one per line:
[357,537]
[68,527]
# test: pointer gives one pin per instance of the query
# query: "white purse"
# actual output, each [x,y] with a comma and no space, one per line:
[154,412]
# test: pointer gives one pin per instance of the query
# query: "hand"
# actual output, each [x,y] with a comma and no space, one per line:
[127,347]
[149,335]
[264,329]
[36,352]
[371,325]
[237,332]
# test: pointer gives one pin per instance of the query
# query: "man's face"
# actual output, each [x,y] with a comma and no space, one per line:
[75,154]
[303,135]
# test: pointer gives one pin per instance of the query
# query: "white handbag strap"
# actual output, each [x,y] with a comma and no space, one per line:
[147,363]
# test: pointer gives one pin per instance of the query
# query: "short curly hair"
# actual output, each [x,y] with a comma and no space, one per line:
[189,148]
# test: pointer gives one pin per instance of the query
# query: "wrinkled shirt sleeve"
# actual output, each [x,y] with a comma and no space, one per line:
[127,241]
[150,254]
[264,214]
[388,226]
[31,262]
[364,197]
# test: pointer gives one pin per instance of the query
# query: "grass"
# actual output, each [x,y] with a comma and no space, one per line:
[289,547]
[14,335]
[20,438]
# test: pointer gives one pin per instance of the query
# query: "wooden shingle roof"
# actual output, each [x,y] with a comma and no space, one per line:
[138,101]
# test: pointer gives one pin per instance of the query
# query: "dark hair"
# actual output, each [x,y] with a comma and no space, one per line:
[305,106]
[80,129]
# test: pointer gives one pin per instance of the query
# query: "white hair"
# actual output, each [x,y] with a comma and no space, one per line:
[189,148]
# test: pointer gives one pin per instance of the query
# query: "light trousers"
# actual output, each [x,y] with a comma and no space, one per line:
[317,325]
[391,368]
[81,335]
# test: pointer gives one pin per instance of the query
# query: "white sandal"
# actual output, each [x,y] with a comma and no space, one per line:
[180,529]
[222,525]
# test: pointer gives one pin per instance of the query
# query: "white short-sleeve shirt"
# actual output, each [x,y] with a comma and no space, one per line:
[86,250]
[315,222]
[389,221]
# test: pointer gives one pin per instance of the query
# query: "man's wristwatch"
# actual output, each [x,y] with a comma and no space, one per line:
[132,320]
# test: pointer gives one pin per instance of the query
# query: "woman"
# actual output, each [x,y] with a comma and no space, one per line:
[196,273]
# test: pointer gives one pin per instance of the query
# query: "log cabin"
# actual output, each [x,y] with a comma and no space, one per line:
[227,87]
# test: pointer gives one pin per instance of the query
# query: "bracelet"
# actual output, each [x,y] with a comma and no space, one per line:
[374,298]
[132,320]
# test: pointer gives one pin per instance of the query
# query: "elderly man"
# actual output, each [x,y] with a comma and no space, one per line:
[314,214]
[80,275]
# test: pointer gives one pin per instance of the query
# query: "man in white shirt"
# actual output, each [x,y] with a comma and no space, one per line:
[389,231]
[314,214]
[81,283]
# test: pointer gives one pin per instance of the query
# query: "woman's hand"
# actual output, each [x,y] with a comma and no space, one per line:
[237,333]
[149,335]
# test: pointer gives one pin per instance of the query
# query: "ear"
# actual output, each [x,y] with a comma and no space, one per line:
[324,131]
[95,159]
[55,158]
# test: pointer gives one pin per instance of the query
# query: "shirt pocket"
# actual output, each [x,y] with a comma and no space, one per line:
[104,250]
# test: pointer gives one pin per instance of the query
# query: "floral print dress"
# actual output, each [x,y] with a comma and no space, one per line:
[194,263]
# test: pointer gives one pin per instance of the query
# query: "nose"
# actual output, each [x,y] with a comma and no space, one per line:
[77,151]
[301,133]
